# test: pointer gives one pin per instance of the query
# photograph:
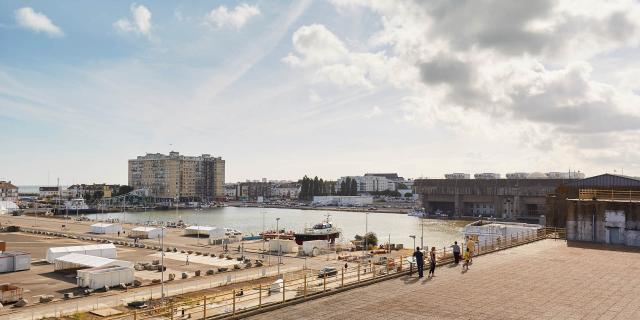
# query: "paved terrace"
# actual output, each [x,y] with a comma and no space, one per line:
[543,280]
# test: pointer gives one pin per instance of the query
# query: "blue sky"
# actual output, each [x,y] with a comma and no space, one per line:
[328,88]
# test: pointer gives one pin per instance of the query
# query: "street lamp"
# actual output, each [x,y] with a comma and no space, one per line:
[162,262]
[366,230]
[263,239]
[278,241]
[422,230]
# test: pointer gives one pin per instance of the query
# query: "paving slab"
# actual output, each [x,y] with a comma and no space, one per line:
[548,279]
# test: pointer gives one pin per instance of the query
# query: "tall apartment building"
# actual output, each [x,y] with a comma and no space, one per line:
[174,175]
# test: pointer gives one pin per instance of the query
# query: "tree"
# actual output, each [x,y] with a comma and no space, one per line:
[343,187]
[371,239]
[123,190]
[354,188]
[316,187]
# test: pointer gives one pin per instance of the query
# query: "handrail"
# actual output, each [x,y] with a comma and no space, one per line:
[603,194]
[306,284]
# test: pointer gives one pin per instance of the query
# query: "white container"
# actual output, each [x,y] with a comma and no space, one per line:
[286,246]
[11,261]
[314,247]
[105,228]
[96,278]
[145,233]
[22,261]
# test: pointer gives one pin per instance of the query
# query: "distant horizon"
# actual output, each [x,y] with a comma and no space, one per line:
[323,88]
[330,178]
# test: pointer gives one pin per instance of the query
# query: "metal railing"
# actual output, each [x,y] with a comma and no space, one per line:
[602,194]
[305,284]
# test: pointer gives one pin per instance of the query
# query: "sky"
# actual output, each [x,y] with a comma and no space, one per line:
[328,88]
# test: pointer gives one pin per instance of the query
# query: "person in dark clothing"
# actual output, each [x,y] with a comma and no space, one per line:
[419,261]
[432,262]
[456,252]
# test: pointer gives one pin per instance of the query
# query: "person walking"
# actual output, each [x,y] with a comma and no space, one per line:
[467,258]
[419,261]
[456,252]
[432,262]
[187,259]
[471,245]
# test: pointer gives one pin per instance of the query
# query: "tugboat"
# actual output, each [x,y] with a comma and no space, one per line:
[321,231]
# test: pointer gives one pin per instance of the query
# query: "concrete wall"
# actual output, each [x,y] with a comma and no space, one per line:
[607,222]
[509,198]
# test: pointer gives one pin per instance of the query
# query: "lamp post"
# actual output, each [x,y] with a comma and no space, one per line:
[366,230]
[162,263]
[422,231]
[278,237]
[263,215]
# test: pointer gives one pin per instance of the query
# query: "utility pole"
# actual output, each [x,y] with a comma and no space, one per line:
[162,263]
[278,237]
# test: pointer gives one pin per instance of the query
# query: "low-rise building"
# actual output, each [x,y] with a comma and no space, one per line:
[49,192]
[357,201]
[286,190]
[96,190]
[8,192]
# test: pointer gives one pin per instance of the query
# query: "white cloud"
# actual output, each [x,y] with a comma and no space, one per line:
[537,71]
[140,23]
[374,112]
[316,45]
[235,18]
[37,22]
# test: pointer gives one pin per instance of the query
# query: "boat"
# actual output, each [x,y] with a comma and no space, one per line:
[321,231]
[273,234]
[420,213]
[76,204]
[484,231]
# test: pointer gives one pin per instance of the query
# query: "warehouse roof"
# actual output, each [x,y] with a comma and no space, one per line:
[607,180]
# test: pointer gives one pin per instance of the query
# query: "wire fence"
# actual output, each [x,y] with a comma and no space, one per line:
[305,284]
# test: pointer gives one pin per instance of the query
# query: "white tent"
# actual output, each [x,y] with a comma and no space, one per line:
[103,228]
[8,206]
[82,261]
[285,246]
[195,230]
[217,233]
[145,233]
[96,278]
[105,250]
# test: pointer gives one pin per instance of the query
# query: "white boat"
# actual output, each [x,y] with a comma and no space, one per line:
[420,213]
[493,231]
[76,204]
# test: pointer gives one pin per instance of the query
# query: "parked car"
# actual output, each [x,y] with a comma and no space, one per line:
[328,271]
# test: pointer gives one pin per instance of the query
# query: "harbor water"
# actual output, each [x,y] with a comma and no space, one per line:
[397,227]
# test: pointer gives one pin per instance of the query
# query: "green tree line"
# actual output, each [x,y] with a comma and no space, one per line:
[315,187]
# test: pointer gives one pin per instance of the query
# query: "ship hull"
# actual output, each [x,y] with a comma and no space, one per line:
[301,237]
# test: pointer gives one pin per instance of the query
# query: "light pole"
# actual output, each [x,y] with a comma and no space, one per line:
[421,231]
[278,241]
[162,263]
[366,230]
[263,239]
